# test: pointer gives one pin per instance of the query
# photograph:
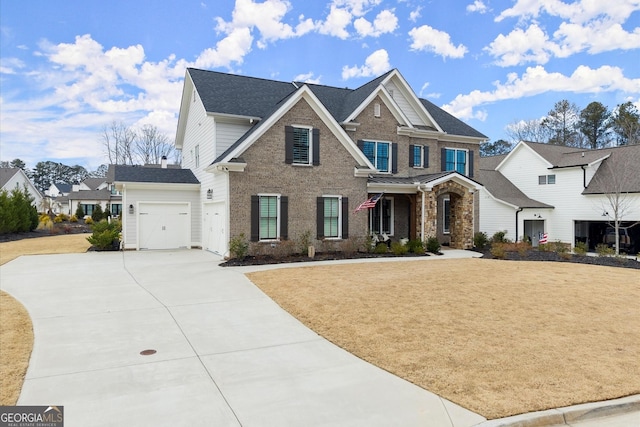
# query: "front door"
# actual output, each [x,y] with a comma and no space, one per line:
[534,229]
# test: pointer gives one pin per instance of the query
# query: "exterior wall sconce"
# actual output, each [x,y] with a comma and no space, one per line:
[537,216]
[210,194]
[131,209]
[605,213]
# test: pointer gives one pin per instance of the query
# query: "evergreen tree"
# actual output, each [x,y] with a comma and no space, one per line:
[594,123]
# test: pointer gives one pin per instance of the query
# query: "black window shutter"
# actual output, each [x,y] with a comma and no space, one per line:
[320,217]
[316,147]
[443,159]
[470,163]
[425,158]
[411,157]
[288,144]
[284,217]
[360,145]
[255,218]
[345,217]
[394,157]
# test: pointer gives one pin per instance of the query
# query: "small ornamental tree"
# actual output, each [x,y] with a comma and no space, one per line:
[79,211]
[97,214]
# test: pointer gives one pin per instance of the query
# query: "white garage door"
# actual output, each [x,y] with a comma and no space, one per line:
[214,237]
[164,225]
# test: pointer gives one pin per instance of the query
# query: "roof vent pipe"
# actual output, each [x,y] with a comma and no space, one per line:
[163,162]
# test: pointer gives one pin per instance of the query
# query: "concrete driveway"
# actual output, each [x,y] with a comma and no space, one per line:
[225,354]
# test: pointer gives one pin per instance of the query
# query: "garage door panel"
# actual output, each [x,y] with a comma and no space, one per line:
[164,226]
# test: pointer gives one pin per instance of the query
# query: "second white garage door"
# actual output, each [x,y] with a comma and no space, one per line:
[164,225]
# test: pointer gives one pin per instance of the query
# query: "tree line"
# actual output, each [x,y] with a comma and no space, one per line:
[593,127]
[122,144]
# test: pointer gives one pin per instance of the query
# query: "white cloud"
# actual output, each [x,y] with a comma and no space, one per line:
[10,65]
[426,38]
[377,63]
[385,22]
[415,14]
[336,23]
[521,46]
[231,49]
[477,6]
[307,78]
[587,25]
[537,80]
[356,7]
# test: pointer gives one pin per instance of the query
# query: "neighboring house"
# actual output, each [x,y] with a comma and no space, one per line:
[12,178]
[56,197]
[562,191]
[278,161]
[90,193]
[162,208]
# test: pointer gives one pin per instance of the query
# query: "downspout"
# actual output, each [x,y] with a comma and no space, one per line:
[584,176]
[517,212]
[422,214]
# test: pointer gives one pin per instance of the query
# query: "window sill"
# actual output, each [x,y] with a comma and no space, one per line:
[301,165]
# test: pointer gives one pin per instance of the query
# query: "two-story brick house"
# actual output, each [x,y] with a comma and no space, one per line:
[280,160]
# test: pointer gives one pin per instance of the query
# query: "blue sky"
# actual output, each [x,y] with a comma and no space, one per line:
[69,68]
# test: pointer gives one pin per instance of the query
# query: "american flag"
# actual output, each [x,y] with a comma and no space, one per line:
[369,203]
[544,238]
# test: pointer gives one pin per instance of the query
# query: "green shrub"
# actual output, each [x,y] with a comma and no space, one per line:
[604,250]
[369,244]
[17,213]
[97,214]
[105,235]
[79,211]
[239,246]
[499,237]
[416,246]
[398,248]
[381,248]
[480,240]
[581,248]
[433,245]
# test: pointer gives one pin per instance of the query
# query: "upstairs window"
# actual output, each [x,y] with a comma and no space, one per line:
[546,179]
[456,160]
[418,156]
[302,145]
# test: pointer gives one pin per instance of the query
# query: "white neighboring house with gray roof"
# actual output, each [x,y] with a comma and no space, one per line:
[562,191]
[161,206]
[277,160]
[12,178]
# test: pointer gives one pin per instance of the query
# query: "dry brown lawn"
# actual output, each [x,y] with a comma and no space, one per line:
[16,331]
[497,337]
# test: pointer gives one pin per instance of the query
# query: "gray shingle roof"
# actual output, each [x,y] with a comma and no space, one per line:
[122,173]
[501,188]
[93,183]
[223,93]
[422,179]
[619,173]
[103,194]
[6,174]
[449,123]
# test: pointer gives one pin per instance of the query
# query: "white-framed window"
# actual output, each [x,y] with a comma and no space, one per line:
[269,216]
[446,216]
[381,217]
[418,156]
[456,159]
[546,179]
[302,146]
[332,217]
[379,154]
[197,155]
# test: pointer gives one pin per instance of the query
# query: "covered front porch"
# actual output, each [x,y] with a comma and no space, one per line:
[435,205]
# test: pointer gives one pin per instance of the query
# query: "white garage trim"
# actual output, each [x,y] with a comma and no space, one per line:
[163,225]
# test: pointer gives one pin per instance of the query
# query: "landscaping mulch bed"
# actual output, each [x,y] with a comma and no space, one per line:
[57,230]
[320,256]
[535,255]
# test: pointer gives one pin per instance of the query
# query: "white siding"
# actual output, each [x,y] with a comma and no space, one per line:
[404,104]
[227,133]
[523,168]
[496,216]
[136,195]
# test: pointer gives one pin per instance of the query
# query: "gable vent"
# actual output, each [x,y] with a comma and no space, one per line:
[376,110]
